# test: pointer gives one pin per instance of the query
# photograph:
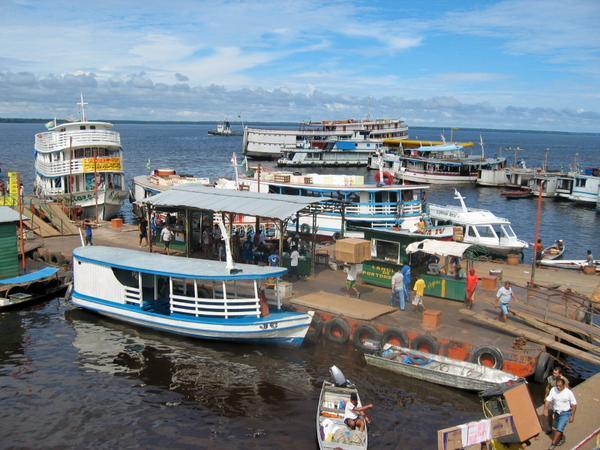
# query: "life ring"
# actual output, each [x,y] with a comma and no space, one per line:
[388,178]
[425,341]
[395,337]
[542,367]
[315,328]
[304,228]
[365,336]
[337,330]
[484,355]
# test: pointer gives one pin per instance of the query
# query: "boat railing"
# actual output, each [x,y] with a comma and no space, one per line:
[133,296]
[226,308]
[59,168]
[54,141]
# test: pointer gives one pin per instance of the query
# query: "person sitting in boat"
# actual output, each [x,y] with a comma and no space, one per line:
[354,413]
[560,244]
[589,258]
[421,226]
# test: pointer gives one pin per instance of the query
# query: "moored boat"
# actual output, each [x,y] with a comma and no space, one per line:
[332,432]
[192,297]
[81,164]
[438,369]
[511,194]
[573,264]
[224,129]
[554,251]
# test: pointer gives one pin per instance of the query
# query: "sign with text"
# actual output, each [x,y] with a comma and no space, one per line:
[101,165]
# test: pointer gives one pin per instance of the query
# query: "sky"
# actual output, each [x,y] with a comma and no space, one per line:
[511,64]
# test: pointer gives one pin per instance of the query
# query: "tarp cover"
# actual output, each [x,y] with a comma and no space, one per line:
[273,206]
[31,277]
[438,248]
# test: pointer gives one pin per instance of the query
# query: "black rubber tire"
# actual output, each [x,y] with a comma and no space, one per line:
[315,329]
[336,236]
[57,259]
[543,367]
[424,340]
[365,333]
[337,330]
[304,228]
[396,336]
[490,351]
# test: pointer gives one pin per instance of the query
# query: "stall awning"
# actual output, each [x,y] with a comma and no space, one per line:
[438,248]
[272,206]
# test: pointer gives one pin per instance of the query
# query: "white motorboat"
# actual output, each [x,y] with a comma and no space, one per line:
[81,164]
[480,227]
[586,186]
[573,264]
[224,129]
[262,143]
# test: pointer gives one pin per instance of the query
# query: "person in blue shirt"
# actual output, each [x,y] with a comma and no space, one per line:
[248,251]
[406,274]
[88,234]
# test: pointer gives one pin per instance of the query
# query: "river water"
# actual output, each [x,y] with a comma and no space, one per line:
[69,378]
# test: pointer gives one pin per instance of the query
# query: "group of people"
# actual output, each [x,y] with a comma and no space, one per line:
[560,405]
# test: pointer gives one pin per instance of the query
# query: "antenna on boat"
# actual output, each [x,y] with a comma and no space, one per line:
[235,168]
[461,199]
[380,165]
[443,138]
[81,105]
[230,265]
[482,147]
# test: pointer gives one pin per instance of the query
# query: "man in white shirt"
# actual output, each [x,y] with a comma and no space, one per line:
[354,413]
[398,290]
[351,275]
[294,258]
[504,296]
[166,235]
[563,404]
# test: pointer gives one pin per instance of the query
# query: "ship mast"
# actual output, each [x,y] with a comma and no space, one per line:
[82,107]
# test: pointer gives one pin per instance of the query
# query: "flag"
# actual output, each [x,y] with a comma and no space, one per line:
[49,124]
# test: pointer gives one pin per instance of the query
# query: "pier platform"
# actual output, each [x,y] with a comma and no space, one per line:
[587,419]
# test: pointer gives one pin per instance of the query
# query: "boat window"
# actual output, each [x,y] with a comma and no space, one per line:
[126,277]
[471,232]
[82,127]
[92,127]
[508,231]
[378,197]
[393,197]
[387,250]
[486,231]
[580,182]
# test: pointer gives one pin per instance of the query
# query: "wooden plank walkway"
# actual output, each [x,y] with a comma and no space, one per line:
[534,337]
[58,218]
[39,226]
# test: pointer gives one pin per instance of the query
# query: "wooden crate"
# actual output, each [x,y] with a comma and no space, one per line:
[281,178]
[352,250]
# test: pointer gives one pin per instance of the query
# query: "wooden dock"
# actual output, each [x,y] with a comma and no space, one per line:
[533,336]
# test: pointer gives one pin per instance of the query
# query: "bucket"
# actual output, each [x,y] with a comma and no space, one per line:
[116,223]
[489,283]
[513,259]
[589,270]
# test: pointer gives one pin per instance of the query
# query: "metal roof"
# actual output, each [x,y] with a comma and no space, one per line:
[171,266]
[272,206]
[438,248]
[8,215]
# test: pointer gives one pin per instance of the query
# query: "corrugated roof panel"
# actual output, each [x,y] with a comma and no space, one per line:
[274,206]
[8,215]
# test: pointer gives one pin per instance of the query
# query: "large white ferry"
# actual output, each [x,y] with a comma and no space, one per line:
[586,186]
[480,227]
[262,143]
[81,163]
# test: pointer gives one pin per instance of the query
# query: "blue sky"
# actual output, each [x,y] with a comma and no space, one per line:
[497,64]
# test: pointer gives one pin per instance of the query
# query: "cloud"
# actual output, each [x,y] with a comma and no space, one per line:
[139,97]
[469,77]
[180,77]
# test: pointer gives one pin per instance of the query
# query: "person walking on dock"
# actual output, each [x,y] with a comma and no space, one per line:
[351,275]
[88,234]
[419,289]
[398,291]
[551,383]
[406,274]
[472,281]
[563,403]
[504,296]
[143,231]
[166,235]
[294,258]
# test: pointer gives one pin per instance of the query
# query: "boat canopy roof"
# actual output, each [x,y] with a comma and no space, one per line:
[172,266]
[76,125]
[8,215]
[272,206]
[438,248]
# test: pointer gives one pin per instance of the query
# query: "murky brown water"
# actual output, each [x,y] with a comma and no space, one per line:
[69,378]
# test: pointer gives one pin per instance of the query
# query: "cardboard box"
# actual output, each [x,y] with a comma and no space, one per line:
[432,318]
[352,250]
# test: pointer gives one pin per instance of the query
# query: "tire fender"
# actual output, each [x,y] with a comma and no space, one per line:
[543,367]
[365,333]
[425,341]
[337,330]
[395,337]
[489,351]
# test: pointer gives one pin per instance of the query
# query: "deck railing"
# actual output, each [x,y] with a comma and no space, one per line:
[59,168]
[53,140]
[133,296]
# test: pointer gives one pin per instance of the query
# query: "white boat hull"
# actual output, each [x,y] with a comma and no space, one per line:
[284,328]
[428,178]
[573,264]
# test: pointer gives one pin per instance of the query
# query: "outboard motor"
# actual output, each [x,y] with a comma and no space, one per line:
[338,377]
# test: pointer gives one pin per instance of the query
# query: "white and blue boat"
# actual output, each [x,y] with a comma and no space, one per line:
[586,186]
[190,297]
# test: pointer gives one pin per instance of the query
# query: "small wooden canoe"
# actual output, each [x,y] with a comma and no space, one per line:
[439,369]
[512,194]
[332,432]
[553,252]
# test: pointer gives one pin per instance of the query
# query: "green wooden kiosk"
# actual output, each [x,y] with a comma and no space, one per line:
[9,257]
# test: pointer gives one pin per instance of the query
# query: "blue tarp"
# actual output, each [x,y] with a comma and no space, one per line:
[342,145]
[31,277]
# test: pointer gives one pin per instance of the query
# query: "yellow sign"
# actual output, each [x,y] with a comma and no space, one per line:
[101,165]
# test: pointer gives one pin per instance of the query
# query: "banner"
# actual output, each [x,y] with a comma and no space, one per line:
[13,186]
[102,165]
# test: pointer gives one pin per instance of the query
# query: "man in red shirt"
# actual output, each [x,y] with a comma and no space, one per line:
[472,281]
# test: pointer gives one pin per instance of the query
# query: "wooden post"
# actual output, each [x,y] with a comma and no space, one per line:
[281,237]
[188,232]
[149,227]
[537,230]
[96,183]
[21,235]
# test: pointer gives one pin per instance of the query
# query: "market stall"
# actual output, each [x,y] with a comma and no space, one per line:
[442,266]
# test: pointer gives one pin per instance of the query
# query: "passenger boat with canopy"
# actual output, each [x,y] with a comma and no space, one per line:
[192,297]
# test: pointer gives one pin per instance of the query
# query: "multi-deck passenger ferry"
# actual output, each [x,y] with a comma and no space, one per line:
[81,163]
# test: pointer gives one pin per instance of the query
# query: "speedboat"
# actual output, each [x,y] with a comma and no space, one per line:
[480,227]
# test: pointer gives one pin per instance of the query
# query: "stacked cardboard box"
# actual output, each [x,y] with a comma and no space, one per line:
[352,250]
